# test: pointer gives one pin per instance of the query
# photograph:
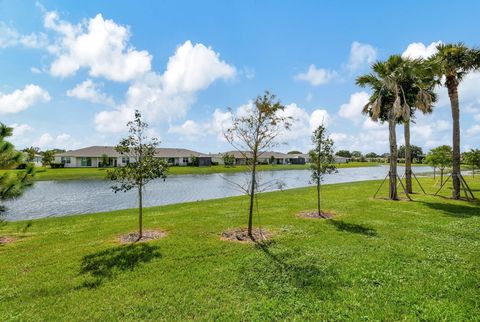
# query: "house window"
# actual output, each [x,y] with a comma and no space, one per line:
[125,160]
[185,160]
[86,162]
[171,160]
[65,160]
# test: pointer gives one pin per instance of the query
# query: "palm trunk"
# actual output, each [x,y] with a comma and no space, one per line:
[452,85]
[408,157]
[393,157]
[140,212]
[252,195]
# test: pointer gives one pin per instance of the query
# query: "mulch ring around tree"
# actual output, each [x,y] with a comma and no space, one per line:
[147,235]
[7,240]
[313,214]
[240,235]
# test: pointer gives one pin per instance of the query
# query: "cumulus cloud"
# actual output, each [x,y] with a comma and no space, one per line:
[90,91]
[419,50]
[316,76]
[97,44]
[353,109]
[10,37]
[189,129]
[361,54]
[168,96]
[22,99]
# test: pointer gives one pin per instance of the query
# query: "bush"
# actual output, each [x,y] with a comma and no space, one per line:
[56,165]
[214,163]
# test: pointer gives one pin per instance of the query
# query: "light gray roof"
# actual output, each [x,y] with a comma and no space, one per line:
[266,154]
[98,151]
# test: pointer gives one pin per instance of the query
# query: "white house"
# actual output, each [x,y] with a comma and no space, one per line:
[94,156]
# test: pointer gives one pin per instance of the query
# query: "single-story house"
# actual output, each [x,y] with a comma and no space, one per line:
[242,158]
[107,156]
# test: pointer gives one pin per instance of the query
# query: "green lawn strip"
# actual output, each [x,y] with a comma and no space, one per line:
[100,173]
[377,260]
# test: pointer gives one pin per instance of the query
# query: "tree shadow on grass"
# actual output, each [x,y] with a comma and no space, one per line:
[106,264]
[282,273]
[456,210]
[353,228]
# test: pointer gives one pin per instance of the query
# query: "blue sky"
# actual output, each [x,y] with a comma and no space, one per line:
[73,72]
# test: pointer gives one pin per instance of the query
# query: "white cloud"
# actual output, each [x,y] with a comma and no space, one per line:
[90,91]
[419,50]
[193,68]
[98,44]
[353,109]
[338,137]
[361,54]
[43,141]
[368,124]
[169,96]
[10,37]
[35,70]
[22,99]
[316,76]
[474,130]
[20,129]
[189,129]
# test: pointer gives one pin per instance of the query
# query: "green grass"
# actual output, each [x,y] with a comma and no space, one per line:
[99,173]
[376,260]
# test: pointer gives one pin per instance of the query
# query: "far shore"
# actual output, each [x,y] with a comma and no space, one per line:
[47,174]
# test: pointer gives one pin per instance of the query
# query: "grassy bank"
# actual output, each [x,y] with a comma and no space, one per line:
[99,173]
[376,260]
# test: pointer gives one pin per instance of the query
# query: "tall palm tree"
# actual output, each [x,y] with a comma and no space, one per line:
[450,64]
[384,106]
[413,85]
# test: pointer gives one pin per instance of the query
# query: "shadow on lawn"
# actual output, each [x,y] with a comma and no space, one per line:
[279,273]
[105,264]
[456,210]
[353,228]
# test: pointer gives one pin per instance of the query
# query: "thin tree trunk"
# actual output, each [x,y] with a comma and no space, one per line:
[252,195]
[441,177]
[408,157]
[319,165]
[452,85]
[318,198]
[140,212]
[393,157]
[434,172]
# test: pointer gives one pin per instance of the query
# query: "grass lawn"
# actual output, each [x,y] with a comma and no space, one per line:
[99,173]
[376,260]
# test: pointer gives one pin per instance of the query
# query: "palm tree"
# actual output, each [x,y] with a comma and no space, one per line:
[413,85]
[450,64]
[384,106]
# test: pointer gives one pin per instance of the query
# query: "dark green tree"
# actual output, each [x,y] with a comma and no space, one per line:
[228,159]
[322,160]
[294,152]
[371,155]
[344,153]
[48,157]
[30,153]
[12,184]
[144,166]
[415,151]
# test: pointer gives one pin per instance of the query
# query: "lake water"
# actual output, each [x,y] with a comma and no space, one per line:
[59,198]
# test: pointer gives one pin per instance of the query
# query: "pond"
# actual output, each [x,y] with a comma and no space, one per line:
[60,198]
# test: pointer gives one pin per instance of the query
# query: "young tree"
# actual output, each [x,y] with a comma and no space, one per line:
[253,133]
[12,185]
[322,160]
[105,160]
[472,158]
[48,157]
[440,157]
[31,152]
[450,64]
[228,159]
[143,167]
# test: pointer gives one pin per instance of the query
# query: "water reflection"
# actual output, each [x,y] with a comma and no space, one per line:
[57,198]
